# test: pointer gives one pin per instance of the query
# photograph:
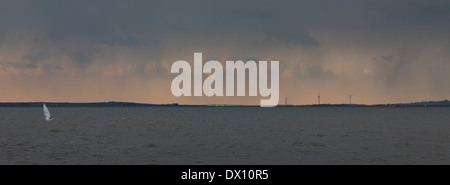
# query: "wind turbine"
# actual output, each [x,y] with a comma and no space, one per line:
[318,98]
[350,98]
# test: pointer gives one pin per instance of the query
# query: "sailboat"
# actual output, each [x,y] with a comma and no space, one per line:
[47,115]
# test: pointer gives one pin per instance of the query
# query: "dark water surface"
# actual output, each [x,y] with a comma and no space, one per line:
[225,135]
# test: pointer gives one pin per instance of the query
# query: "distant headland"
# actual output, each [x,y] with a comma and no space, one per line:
[443,103]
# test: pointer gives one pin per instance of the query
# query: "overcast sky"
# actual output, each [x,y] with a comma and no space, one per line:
[110,50]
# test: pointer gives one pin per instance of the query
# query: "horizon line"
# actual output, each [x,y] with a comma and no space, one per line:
[178,104]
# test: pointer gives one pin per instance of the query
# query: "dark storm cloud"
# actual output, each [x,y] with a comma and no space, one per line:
[127,41]
[83,58]
[29,61]
[18,65]
[36,57]
[298,36]
[372,16]
[117,22]
[144,22]
[386,58]
[140,23]
[317,72]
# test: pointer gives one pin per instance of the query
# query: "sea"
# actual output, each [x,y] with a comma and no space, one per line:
[225,135]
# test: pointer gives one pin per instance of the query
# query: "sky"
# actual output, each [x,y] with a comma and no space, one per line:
[109,50]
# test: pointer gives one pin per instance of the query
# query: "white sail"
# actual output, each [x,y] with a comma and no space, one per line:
[47,115]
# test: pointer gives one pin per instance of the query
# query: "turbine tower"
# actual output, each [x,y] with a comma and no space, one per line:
[350,99]
[318,98]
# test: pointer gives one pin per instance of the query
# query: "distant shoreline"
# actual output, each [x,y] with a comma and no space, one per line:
[444,103]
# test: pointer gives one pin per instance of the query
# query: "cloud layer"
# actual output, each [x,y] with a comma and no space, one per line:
[379,51]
